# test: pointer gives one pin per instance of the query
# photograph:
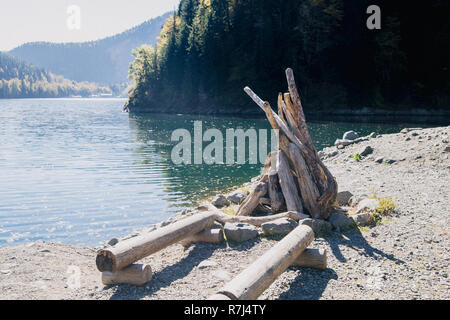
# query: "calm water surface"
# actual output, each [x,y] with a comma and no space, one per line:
[81,171]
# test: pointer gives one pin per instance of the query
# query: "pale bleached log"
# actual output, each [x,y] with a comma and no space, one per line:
[252,201]
[288,186]
[312,258]
[256,221]
[279,122]
[308,188]
[207,236]
[257,277]
[136,275]
[129,251]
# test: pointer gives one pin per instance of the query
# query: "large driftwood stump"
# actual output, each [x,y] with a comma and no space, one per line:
[305,182]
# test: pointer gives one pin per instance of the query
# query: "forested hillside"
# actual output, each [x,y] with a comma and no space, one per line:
[104,61]
[21,80]
[211,49]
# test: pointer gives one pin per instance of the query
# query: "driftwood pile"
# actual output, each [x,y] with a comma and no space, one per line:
[117,263]
[294,177]
[294,183]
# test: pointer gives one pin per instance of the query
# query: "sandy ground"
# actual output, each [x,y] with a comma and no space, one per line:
[405,257]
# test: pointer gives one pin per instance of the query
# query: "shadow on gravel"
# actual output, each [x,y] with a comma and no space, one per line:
[309,285]
[166,276]
[355,240]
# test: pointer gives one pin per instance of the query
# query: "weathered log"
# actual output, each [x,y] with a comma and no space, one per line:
[252,201]
[256,221]
[308,188]
[256,278]
[207,236]
[290,117]
[312,258]
[288,186]
[136,275]
[134,249]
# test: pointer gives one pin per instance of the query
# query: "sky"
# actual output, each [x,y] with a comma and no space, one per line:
[24,21]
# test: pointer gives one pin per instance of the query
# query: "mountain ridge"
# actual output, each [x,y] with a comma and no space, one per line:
[104,61]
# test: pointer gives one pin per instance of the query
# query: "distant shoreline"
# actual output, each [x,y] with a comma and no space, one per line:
[423,116]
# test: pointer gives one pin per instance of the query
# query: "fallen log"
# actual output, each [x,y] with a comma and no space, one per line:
[312,258]
[134,249]
[252,201]
[256,278]
[136,275]
[207,236]
[256,221]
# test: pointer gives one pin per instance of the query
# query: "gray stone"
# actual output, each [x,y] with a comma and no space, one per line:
[319,226]
[113,242]
[220,201]
[279,227]
[379,160]
[333,153]
[447,149]
[363,219]
[366,151]
[368,205]
[350,135]
[341,222]
[406,130]
[390,161]
[240,232]
[373,135]
[237,197]
[207,264]
[344,197]
[344,143]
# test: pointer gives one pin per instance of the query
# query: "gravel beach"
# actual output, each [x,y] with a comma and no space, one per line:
[406,256]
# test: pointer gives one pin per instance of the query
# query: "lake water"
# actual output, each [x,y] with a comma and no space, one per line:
[80,171]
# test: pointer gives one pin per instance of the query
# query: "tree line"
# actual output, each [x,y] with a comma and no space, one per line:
[210,49]
[21,80]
